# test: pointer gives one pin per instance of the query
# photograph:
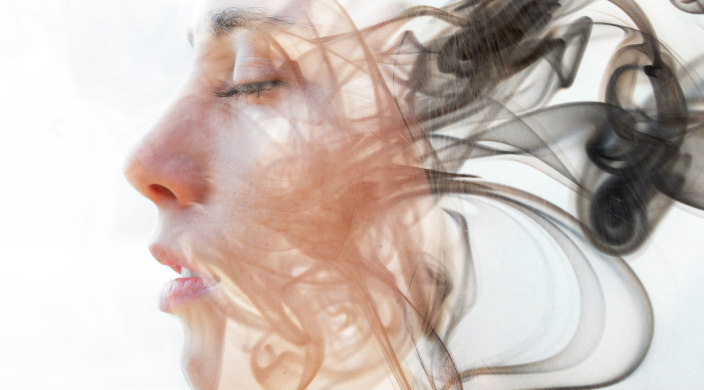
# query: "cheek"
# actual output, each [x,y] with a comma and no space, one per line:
[253,141]
[295,203]
[237,147]
[278,130]
[284,181]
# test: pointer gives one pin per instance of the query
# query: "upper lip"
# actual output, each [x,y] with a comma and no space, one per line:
[165,256]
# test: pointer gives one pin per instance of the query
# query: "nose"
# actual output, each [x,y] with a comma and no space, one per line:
[168,166]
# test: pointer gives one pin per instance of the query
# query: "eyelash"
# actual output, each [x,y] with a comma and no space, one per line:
[250,88]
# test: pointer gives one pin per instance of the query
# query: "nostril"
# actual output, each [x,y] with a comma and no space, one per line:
[161,192]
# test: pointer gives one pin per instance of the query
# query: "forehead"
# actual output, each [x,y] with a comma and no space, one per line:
[270,7]
[324,16]
[220,17]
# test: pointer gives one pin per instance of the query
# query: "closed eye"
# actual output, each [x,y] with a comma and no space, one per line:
[258,88]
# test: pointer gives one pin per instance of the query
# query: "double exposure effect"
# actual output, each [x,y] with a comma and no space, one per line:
[315,184]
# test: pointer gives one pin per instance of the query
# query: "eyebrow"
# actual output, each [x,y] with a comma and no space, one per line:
[223,22]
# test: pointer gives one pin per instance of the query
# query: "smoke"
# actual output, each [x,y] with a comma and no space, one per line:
[352,241]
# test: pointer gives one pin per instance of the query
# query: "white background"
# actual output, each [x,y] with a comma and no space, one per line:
[80,82]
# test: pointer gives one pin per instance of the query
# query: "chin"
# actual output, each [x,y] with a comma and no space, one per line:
[201,369]
[202,354]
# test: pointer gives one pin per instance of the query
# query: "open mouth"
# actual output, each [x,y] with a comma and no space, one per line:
[183,290]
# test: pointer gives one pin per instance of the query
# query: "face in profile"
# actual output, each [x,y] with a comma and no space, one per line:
[305,175]
[276,173]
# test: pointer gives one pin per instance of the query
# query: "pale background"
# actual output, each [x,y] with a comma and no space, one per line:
[80,82]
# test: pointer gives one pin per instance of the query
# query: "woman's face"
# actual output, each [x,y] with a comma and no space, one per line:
[269,163]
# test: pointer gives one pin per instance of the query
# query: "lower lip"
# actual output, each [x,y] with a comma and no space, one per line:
[180,291]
